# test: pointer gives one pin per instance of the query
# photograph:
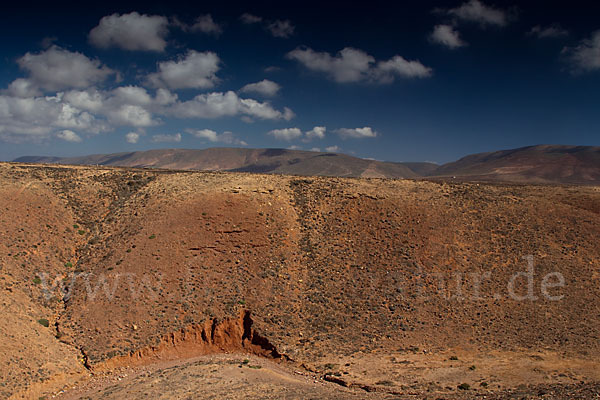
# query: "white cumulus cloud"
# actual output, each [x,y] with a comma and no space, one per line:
[206,24]
[68,136]
[552,31]
[281,28]
[22,87]
[208,134]
[333,149]
[132,95]
[132,137]
[195,70]
[585,57]
[356,133]
[278,28]
[133,31]
[318,132]
[250,19]
[229,104]
[387,71]
[214,137]
[354,65]
[265,87]
[203,23]
[165,138]
[286,133]
[57,69]
[476,11]
[131,115]
[122,106]
[447,36]
[90,100]
[37,118]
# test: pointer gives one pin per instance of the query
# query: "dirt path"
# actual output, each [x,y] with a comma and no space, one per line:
[219,376]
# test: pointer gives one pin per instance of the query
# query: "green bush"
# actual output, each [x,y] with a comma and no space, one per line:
[37,280]
[44,322]
[152,236]
[464,386]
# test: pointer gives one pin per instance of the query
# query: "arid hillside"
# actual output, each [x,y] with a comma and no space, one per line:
[542,164]
[534,164]
[378,287]
[271,161]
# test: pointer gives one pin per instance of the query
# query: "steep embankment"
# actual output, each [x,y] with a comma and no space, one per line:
[329,270]
[49,217]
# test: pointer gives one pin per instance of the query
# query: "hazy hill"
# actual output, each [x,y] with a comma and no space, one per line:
[278,161]
[534,164]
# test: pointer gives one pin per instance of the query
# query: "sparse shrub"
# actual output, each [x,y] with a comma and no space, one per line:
[255,366]
[464,386]
[37,280]
[472,368]
[330,366]
[483,384]
[152,236]
[75,226]
[246,361]
[453,358]
[68,265]
[44,322]
[81,232]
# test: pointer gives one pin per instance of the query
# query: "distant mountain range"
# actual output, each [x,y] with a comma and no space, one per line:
[533,164]
[272,161]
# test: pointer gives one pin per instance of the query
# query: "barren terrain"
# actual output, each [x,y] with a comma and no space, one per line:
[134,283]
[541,164]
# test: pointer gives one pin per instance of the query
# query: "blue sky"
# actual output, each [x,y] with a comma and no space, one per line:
[419,81]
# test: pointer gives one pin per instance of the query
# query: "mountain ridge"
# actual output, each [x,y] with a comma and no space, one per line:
[545,164]
[284,161]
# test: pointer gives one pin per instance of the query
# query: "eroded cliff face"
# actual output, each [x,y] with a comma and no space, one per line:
[129,266]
